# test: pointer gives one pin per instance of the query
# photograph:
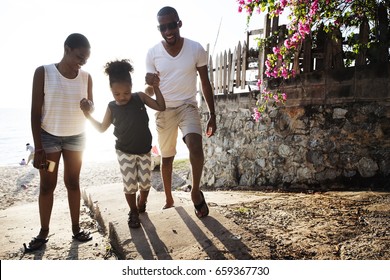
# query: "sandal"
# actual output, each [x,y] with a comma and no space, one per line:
[141,208]
[133,220]
[201,210]
[83,236]
[35,244]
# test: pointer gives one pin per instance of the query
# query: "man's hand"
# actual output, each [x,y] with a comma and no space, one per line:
[211,125]
[152,78]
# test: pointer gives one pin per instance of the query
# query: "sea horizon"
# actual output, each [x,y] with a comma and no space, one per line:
[16,132]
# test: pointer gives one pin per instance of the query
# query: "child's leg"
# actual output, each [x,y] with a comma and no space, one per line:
[131,201]
[130,186]
[144,180]
[142,199]
[133,220]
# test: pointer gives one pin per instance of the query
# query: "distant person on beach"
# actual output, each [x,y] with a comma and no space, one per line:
[31,155]
[58,127]
[178,61]
[134,140]
[22,162]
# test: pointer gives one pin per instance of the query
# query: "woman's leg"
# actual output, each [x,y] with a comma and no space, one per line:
[72,167]
[48,182]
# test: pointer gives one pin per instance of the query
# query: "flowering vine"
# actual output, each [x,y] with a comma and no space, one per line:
[305,16]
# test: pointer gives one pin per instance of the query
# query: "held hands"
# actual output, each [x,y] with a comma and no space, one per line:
[86,106]
[152,79]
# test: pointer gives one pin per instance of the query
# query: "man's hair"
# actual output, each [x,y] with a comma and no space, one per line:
[77,40]
[167,11]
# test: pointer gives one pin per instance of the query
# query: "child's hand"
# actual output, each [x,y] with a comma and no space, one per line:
[149,91]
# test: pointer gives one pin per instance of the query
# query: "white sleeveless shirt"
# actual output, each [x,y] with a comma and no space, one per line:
[61,113]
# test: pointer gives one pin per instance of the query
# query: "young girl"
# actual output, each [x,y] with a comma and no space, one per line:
[134,139]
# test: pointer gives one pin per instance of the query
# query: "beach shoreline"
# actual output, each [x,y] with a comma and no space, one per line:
[20,183]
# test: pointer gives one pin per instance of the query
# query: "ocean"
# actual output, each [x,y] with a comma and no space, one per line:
[15,132]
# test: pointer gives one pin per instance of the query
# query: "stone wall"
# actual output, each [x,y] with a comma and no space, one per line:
[333,133]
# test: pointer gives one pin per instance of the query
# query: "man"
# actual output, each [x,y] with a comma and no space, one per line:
[31,155]
[178,60]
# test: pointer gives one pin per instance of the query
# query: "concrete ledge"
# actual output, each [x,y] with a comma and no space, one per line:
[175,233]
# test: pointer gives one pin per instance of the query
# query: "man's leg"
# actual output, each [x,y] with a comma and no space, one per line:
[167,128]
[166,174]
[194,144]
[30,158]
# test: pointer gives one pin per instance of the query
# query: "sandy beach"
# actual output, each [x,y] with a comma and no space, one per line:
[316,226]
[19,186]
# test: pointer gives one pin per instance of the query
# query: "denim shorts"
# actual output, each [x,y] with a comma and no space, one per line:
[53,144]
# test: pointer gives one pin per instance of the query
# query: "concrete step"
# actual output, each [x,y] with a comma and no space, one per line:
[175,233]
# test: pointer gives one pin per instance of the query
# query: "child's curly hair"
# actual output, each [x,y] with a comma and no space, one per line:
[119,71]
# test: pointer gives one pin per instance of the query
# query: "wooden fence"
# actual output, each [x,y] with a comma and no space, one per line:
[228,71]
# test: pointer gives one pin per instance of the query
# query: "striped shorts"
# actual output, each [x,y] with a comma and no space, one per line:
[136,171]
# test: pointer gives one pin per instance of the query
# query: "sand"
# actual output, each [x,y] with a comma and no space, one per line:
[19,187]
[300,226]
[20,184]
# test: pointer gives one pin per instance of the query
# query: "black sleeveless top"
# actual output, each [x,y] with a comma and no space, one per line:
[131,122]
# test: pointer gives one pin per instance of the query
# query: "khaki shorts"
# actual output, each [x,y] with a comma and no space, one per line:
[168,122]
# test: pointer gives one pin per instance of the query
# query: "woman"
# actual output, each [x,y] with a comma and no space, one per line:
[57,124]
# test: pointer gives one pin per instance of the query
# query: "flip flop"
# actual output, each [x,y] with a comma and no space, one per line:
[201,210]
[83,236]
[35,244]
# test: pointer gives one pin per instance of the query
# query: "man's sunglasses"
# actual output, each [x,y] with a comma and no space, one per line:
[170,26]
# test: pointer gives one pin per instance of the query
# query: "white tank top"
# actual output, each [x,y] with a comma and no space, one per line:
[61,113]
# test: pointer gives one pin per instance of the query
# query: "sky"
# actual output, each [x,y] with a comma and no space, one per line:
[33,33]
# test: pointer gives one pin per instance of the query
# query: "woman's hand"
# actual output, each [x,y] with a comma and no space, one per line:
[86,106]
[39,159]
